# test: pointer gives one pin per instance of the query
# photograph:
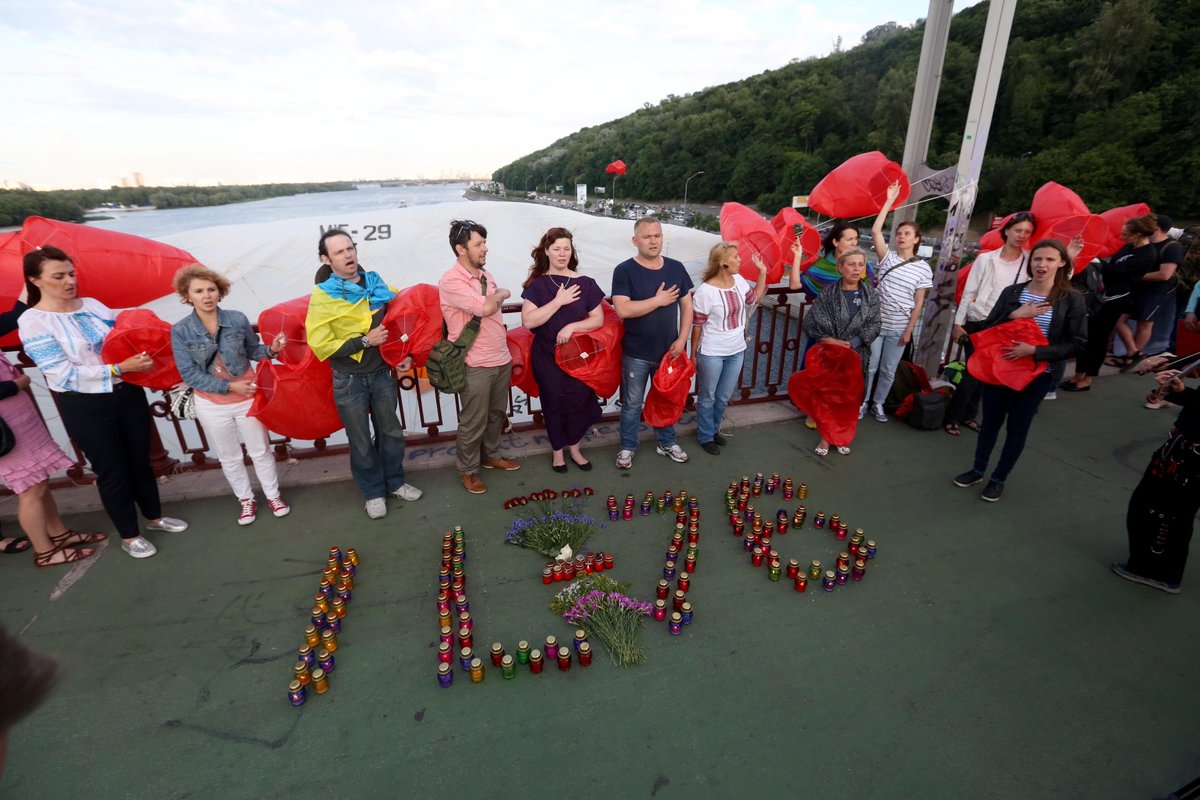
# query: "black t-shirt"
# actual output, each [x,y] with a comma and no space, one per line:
[1124,270]
[1169,252]
[649,336]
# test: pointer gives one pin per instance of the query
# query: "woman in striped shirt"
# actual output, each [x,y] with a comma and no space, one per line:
[1061,313]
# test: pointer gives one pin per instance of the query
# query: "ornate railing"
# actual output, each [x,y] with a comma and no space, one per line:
[773,354]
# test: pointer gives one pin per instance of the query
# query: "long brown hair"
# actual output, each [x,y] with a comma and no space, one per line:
[33,269]
[541,261]
[716,258]
[1061,286]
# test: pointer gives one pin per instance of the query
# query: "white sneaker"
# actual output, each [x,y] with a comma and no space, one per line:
[674,452]
[862,411]
[376,508]
[138,547]
[408,492]
[168,524]
[877,411]
[625,459]
[1051,395]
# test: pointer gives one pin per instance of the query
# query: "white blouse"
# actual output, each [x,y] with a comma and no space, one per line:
[65,345]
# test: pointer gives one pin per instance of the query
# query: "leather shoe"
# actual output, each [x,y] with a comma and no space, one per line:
[559,468]
[506,464]
[1071,386]
[472,484]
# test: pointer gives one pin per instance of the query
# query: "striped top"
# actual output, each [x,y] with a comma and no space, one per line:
[1042,320]
[898,284]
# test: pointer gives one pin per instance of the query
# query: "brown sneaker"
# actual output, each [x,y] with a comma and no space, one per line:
[506,464]
[472,484]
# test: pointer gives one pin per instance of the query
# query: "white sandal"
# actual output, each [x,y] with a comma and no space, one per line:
[822,451]
[843,451]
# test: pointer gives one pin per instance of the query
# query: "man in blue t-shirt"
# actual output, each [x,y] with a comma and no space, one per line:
[651,295]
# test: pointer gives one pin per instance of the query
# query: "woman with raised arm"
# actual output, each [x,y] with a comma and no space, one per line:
[901,280]
[214,350]
[559,302]
[106,416]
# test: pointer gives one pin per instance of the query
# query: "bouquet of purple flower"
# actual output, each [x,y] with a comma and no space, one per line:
[556,529]
[599,605]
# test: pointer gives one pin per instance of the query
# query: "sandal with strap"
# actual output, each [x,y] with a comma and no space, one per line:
[70,556]
[16,544]
[1132,361]
[971,425]
[952,429]
[70,538]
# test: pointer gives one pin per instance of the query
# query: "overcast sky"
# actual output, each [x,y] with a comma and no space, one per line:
[206,91]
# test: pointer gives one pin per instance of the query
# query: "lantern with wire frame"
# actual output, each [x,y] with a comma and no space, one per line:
[139,330]
[288,317]
[594,357]
[296,402]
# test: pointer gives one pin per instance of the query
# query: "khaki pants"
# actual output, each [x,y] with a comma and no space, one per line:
[484,409]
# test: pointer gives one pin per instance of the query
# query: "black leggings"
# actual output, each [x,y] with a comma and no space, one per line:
[113,431]
[1100,328]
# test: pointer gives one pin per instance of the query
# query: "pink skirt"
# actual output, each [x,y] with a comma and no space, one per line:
[36,455]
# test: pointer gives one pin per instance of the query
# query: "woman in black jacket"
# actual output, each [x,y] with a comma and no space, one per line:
[1061,313]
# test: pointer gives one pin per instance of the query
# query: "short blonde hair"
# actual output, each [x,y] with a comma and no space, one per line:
[192,272]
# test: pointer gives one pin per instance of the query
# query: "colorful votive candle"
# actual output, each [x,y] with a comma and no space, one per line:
[297,694]
[829,581]
[476,671]
[445,676]
[523,652]
[685,613]
[508,668]
[535,661]
[564,658]
[585,654]
[676,624]
[660,609]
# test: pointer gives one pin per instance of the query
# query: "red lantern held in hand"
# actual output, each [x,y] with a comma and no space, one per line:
[753,236]
[520,343]
[288,318]
[829,390]
[296,402]
[414,324]
[669,389]
[858,187]
[594,357]
[1091,229]
[1053,201]
[988,363]
[139,330]
[785,223]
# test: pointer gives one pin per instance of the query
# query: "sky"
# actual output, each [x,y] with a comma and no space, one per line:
[257,91]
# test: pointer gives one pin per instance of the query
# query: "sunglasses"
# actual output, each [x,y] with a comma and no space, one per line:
[460,229]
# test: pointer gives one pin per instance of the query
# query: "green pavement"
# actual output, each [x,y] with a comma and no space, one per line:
[988,653]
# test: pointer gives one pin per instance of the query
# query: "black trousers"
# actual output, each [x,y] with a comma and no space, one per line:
[964,403]
[113,431]
[1162,511]
[1100,328]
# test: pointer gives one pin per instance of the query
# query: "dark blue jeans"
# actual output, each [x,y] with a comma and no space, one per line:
[1019,408]
[377,464]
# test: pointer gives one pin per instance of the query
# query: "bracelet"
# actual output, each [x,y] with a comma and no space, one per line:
[271,353]
[116,370]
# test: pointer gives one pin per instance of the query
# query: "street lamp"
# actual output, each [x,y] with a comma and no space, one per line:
[685,187]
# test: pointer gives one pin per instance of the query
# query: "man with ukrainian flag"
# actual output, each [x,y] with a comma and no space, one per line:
[344,326]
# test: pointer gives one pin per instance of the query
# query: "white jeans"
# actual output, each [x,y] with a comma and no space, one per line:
[222,423]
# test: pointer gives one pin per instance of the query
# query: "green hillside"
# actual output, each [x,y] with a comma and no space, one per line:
[1100,96]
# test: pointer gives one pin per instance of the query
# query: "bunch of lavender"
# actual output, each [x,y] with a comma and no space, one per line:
[554,528]
[615,619]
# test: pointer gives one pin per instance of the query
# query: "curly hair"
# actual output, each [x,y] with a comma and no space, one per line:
[192,272]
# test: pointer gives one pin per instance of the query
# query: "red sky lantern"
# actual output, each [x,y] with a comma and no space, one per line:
[858,187]
[753,235]
[136,331]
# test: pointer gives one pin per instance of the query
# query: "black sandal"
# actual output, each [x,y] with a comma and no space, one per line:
[952,429]
[972,425]
[15,545]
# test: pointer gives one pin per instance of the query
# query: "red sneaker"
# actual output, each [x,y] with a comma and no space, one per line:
[249,512]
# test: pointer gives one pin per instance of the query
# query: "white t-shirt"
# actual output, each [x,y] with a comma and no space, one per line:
[898,289]
[721,315]
[989,276]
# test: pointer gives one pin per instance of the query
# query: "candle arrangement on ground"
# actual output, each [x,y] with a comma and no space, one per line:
[757,534]
[316,659]
[584,563]
[555,527]
[671,604]
[547,494]
[603,610]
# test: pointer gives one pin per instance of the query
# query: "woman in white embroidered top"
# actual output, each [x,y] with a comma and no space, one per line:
[902,279]
[107,417]
[721,304]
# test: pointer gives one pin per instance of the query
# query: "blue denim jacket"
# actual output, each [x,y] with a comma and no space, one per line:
[195,349]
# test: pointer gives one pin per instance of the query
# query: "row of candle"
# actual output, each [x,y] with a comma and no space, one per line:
[454,610]
[547,494]
[584,564]
[315,656]
[687,526]
[473,664]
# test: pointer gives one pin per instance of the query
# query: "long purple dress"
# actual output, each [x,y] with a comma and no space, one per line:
[570,408]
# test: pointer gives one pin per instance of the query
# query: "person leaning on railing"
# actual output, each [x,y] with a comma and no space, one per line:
[106,416]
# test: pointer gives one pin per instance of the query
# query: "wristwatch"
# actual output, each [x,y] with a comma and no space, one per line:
[365,342]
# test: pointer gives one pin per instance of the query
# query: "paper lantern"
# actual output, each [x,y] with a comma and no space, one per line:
[520,346]
[988,365]
[288,317]
[1092,228]
[1116,219]
[858,187]
[141,331]
[785,223]
[669,389]
[296,402]
[829,390]
[616,168]
[594,357]
[1053,201]
[753,235]
[12,279]
[414,324]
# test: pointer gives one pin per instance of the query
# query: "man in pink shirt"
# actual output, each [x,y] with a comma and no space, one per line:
[468,290]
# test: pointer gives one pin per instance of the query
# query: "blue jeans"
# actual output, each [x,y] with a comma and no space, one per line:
[635,374]
[886,351]
[716,380]
[377,464]
[1001,403]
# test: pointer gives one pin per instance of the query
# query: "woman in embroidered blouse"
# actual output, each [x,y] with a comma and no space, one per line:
[107,417]
[213,350]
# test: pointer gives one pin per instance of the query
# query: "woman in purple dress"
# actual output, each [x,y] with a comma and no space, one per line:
[560,302]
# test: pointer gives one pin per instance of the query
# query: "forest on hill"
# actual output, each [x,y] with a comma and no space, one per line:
[1099,95]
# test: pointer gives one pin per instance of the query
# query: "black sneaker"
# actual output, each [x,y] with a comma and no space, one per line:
[968,478]
[719,439]
[710,448]
[992,491]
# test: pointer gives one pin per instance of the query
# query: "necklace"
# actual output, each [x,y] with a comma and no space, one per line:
[562,285]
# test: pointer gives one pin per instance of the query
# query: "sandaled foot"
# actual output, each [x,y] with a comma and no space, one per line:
[70,538]
[972,425]
[843,450]
[822,451]
[62,555]
[1132,361]
[15,544]
[952,429]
